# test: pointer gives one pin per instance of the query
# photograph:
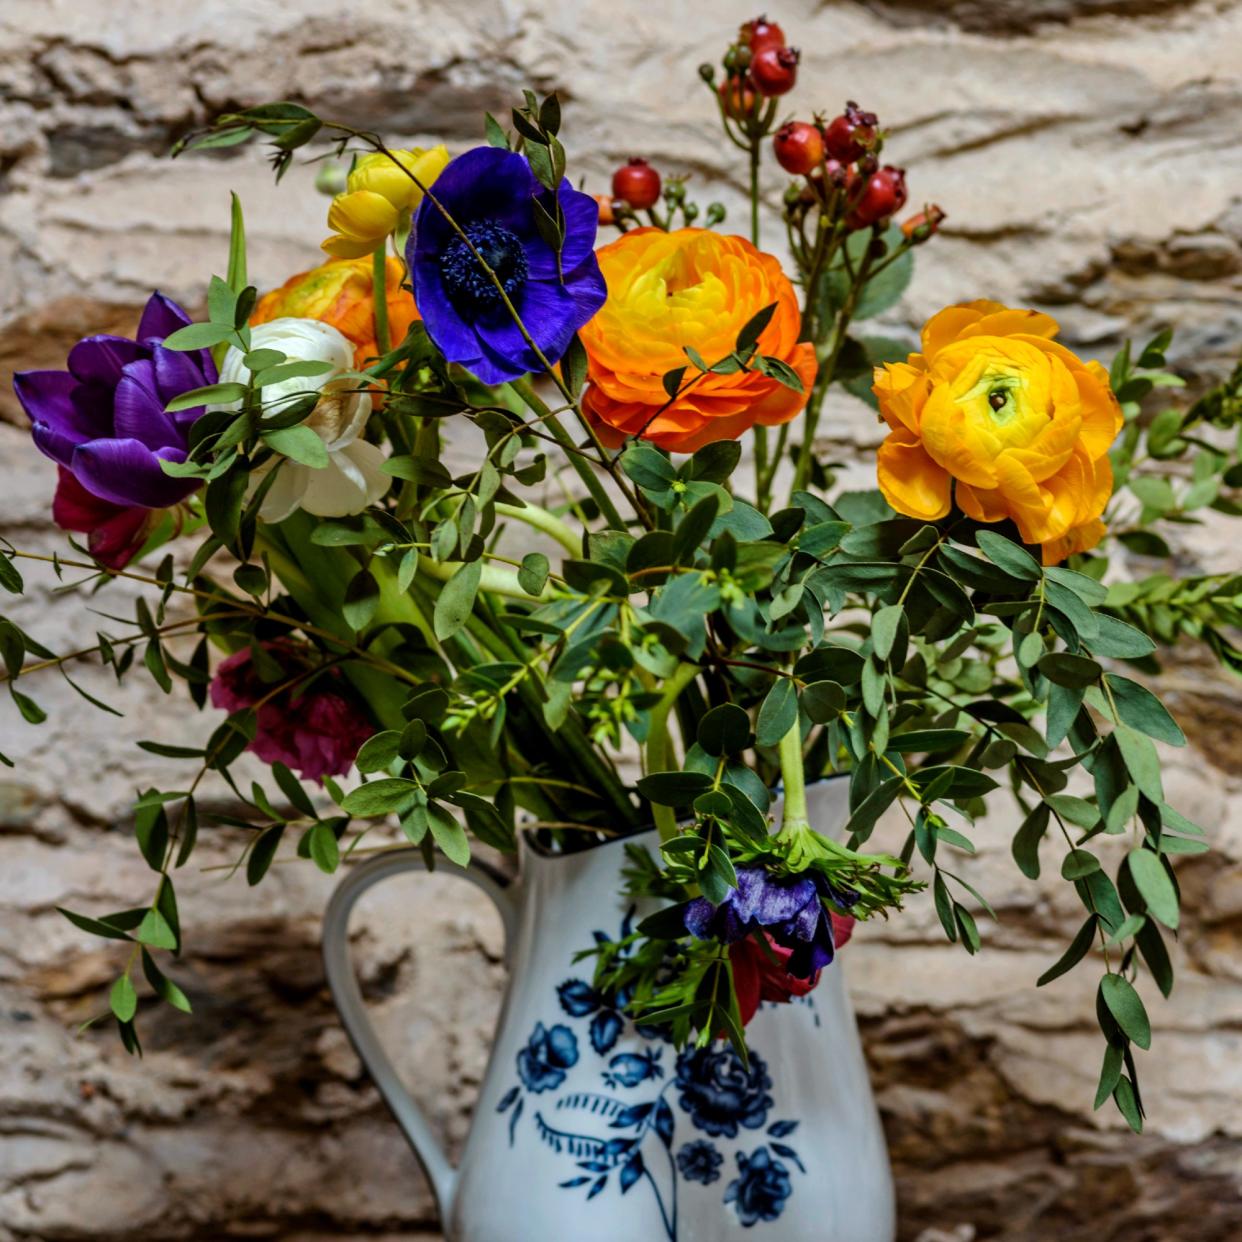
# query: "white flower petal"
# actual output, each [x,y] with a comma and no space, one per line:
[351,482]
[285,495]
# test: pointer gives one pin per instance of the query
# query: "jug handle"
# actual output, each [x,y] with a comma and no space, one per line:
[347,996]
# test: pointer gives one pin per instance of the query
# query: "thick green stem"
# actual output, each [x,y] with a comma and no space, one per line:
[492,579]
[549,523]
[379,290]
[660,755]
[793,781]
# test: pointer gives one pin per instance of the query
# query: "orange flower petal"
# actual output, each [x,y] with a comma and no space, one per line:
[697,289]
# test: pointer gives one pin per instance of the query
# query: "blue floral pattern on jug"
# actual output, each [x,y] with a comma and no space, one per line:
[613,1138]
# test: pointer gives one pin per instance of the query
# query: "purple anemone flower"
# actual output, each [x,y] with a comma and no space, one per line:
[103,419]
[492,196]
[790,910]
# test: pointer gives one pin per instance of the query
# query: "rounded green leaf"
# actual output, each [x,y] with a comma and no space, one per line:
[1152,880]
[1125,1004]
[724,730]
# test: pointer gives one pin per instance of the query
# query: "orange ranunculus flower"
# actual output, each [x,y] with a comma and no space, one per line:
[340,293]
[695,288]
[995,414]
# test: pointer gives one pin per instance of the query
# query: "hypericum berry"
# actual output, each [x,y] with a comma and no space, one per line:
[760,33]
[775,70]
[884,193]
[836,175]
[637,183]
[799,147]
[918,228]
[737,97]
[850,134]
[607,215]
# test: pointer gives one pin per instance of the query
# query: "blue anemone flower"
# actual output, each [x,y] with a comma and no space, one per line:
[493,196]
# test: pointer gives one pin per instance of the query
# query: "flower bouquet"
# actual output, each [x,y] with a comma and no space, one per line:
[510,520]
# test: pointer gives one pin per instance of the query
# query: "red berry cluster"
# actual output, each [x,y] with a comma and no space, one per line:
[759,66]
[841,156]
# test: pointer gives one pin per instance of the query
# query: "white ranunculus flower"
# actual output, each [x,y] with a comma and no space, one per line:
[352,479]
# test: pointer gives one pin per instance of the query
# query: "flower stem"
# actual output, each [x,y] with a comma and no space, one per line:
[379,290]
[524,389]
[660,756]
[793,780]
[549,523]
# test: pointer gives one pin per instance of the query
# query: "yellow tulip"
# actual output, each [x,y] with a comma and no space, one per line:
[360,221]
[395,180]
[379,197]
[998,417]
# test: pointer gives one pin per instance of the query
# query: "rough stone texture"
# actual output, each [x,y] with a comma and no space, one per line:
[1088,155]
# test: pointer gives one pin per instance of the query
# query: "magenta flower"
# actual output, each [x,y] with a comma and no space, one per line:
[315,727]
[103,422]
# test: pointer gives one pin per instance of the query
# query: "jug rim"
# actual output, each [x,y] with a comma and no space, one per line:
[529,848]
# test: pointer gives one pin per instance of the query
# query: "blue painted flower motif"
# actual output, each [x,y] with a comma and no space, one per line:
[720,1092]
[628,1069]
[791,910]
[699,1161]
[544,1060]
[760,1189]
[492,195]
[578,999]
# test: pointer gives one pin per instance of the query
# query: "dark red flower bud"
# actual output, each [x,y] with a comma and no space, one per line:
[775,70]
[850,134]
[920,227]
[637,183]
[884,193]
[737,96]
[799,147]
[761,33]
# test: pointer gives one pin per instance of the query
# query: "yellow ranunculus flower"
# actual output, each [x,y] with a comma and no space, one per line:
[379,198]
[381,175]
[999,417]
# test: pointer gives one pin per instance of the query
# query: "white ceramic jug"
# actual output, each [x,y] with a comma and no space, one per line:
[589,1129]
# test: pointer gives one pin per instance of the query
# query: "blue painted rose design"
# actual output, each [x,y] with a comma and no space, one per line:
[626,1136]
[699,1161]
[761,1187]
[720,1092]
[544,1060]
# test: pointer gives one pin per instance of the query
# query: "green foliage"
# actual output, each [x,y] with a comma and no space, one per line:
[737,641]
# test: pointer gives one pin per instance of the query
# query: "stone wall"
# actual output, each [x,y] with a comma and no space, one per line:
[1088,153]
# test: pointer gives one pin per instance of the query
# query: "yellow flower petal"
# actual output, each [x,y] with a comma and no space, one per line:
[397,179]
[910,480]
[362,215]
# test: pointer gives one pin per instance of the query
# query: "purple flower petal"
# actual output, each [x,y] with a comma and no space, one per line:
[549,314]
[127,472]
[699,917]
[161,317]
[581,226]
[138,412]
[58,425]
[176,372]
[484,183]
[99,359]
[455,338]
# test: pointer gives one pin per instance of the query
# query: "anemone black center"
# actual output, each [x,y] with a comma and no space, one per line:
[469,287]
